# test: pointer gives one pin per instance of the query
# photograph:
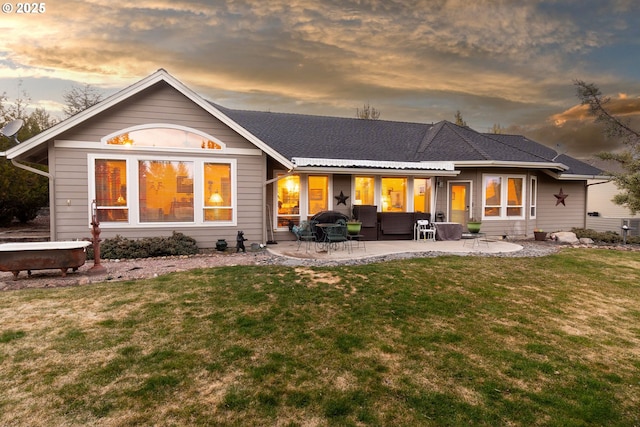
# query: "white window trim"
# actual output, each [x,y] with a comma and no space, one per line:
[504,200]
[134,193]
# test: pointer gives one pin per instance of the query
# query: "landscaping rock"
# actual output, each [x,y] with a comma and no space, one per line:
[586,241]
[566,237]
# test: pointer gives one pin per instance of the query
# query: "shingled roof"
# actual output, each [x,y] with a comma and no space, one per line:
[306,136]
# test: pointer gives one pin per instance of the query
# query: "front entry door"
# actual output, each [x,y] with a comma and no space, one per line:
[459,201]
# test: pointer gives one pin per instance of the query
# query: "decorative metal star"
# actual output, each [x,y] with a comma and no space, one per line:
[560,197]
[342,199]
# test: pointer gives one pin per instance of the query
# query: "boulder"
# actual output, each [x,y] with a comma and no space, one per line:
[566,237]
[586,241]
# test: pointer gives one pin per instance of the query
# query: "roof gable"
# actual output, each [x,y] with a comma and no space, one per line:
[112,101]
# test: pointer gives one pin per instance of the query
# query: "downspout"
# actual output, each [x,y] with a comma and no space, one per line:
[264,197]
[30,169]
[586,198]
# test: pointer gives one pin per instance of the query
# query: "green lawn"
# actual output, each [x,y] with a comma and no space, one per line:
[551,341]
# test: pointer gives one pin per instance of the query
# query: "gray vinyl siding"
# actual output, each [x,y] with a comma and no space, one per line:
[73,218]
[159,104]
[603,224]
[71,195]
[549,217]
[552,217]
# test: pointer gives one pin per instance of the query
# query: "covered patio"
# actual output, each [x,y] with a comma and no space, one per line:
[382,248]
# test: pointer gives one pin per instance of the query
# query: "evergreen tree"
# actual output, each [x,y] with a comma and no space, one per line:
[22,193]
[459,120]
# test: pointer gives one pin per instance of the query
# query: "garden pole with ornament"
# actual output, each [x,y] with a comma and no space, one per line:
[95,233]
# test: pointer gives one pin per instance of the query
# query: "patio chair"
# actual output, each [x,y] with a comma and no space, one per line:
[304,233]
[424,230]
[336,235]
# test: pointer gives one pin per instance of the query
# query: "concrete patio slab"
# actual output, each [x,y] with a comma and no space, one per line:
[379,248]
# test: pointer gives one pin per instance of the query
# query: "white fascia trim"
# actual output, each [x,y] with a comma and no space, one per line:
[572,177]
[375,164]
[374,171]
[511,164]
[90,112]
[158,76]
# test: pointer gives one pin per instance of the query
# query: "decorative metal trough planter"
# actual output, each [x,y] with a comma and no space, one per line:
[15,257]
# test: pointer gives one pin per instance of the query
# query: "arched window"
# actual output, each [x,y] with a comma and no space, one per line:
[164,136]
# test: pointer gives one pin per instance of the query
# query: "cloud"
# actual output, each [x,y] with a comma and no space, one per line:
[500,61]
[422,45]
[575,131]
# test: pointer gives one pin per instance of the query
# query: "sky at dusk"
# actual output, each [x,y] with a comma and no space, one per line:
[505,62]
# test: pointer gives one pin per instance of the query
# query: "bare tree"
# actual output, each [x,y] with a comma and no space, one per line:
[79,98]
[368,112]
[496,129]
[628,180]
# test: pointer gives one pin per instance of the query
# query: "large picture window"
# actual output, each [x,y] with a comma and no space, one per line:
[190,191]
[164,196]
[503,196]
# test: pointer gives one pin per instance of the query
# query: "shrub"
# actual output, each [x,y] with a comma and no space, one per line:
[604,237]
[22,193]
[122,248]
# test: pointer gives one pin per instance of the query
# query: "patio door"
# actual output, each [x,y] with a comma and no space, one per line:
[459,202]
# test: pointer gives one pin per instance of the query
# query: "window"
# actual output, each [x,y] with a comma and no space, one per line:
[318,194]
[217,194]
[503,201]
[533,193]
[164,136]
[492,196]
[394,194]
[365,190]
[288,200]
[422,194]
[515,201]
[111,190]
[166,191]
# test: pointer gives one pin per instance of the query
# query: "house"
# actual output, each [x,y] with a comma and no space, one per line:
[602,214]
[156,158]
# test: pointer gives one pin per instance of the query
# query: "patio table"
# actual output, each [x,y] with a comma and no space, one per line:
[323,242]
[448,230]
[475,239]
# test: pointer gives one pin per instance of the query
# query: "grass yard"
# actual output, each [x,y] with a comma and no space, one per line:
[551,341]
